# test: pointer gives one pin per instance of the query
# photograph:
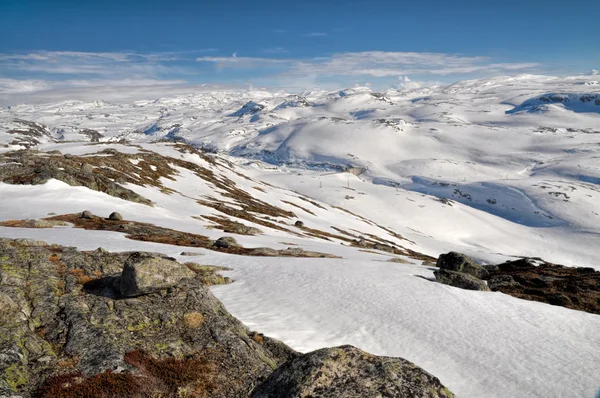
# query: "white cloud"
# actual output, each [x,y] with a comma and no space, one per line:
[315,34]
[595,72]
[376,64]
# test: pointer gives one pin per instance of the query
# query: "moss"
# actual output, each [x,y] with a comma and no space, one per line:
[161,346]
[16,376]
[137,327]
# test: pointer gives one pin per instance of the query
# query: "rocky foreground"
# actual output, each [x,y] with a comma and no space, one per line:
[100,324]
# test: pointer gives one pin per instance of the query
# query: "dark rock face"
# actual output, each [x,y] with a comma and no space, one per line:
[115,216]
[349,372]
[145,273]
[570,287]
[226,242]
[459,262]
[460,279]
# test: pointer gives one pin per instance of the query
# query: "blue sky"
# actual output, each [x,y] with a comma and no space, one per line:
[45,43]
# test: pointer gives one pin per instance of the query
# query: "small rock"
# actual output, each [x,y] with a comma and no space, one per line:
[382,247]
[115,216]
[226,242]
[190,254]
[264,251]
[87,168]
[145,273]
[87,214]
[517,265]
[362,243]
[299,224]
[239,228]
[68,156]
[459,262]
[461,280]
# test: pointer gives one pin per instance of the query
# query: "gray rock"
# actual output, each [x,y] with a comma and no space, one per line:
[501,281]
[87,168]
[226,242]
[460,279]
[459,262]
[349,372]
[115,216]
[145,273]
[299,224]
[87,214]
[264,251]
[239,228]
[382,247]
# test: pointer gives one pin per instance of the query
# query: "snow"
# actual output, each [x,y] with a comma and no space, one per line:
[485,167]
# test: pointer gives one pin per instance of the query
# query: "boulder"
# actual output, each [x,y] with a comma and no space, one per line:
[87,214]
[226,242]
[87,168]
[459,262]
[264,251]
[299,224]
[349,372]
[517,265]
[115,216]
[459,279]
[145,273]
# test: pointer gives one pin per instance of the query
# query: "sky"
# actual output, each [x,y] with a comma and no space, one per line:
[46,44]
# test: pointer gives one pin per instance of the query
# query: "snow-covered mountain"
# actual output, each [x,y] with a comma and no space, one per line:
[494,168]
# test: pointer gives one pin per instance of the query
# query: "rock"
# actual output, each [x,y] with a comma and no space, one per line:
[460,279]
[459,262]
[517,265]
[87,168]
[190,254]
[115,216]
[226,242]
[8,309]
[264,251]
[145,273]
[502,281]
[239,228]
[87,329]
[362,243]
[87,214]
[382,247]
[491,268]
[299,224]
[349,372]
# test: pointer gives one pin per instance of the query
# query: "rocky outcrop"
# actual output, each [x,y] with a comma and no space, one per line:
[460,279]
[32,167]
[530,279]
[349,372]
[67,330]
[459,262]
[571,287]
